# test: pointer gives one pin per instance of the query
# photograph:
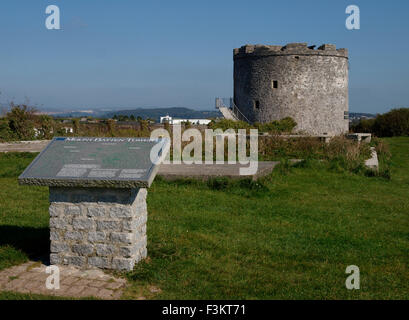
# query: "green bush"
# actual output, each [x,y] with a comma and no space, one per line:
[391,124]
[6,134]
[364,125]
[21,122]
[278,126]
[225,124]
[46,127]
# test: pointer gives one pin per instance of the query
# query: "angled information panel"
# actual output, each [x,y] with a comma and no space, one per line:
[97,162]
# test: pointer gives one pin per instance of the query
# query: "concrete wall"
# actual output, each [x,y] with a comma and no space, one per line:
[309,85]
[95,227]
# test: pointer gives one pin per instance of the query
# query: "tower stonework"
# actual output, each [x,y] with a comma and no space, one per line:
[310,85]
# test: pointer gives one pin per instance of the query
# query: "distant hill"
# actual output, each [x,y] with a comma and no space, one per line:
[358,115]
[156,113]
[77,114]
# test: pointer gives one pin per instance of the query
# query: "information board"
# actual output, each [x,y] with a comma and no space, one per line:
[97,162]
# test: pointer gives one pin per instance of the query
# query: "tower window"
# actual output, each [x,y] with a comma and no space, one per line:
[257,104]
[274,84]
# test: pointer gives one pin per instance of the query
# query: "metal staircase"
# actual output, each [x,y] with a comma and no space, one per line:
[229,110]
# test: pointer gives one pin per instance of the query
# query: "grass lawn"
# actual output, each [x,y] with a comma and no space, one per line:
[289,237]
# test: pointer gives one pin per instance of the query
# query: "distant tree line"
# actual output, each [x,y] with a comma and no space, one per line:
[391,124]
[125,118]
[22,122]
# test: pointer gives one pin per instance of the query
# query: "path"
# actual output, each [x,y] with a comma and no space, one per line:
[31,277]
[24,146]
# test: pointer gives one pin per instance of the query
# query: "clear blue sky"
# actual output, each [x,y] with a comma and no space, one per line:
[126,53]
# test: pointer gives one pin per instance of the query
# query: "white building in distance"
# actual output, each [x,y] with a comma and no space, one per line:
[170,120]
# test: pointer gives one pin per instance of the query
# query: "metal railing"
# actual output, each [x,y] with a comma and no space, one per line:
[237,112]
[229,103]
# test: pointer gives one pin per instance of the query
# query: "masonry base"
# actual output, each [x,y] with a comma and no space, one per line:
[95,227]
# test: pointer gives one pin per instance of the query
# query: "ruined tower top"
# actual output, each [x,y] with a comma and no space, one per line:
[289,49]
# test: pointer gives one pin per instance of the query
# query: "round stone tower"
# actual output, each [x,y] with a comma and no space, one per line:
[310,85]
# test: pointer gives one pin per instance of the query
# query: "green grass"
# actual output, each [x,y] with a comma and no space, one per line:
[23,213]
[289,236]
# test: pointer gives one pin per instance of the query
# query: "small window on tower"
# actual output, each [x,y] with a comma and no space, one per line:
[274,84]
[257,104]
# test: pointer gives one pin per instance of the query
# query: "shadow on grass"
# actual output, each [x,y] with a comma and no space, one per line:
[24,242]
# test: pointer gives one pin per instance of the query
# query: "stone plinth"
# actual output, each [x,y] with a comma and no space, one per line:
[95,227]
[98,197]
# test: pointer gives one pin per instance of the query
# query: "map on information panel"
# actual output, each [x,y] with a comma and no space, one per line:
[97,162]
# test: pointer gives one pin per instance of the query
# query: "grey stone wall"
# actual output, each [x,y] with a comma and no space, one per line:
[310,85]
[96,227]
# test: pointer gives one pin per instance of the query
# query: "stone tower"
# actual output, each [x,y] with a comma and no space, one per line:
[310,85]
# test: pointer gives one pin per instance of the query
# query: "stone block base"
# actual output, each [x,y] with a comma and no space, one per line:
[96,227]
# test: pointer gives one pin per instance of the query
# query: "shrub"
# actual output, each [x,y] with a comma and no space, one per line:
[76,126]
[46,127]
[276,147]
[225,124]
[111,127]
[21,122]
[384,158]
[393,123]
[390,124]
[347,154]
[278,126]
[364,125]
[6,134]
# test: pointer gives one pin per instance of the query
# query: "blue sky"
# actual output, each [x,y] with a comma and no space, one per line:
[127,53]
